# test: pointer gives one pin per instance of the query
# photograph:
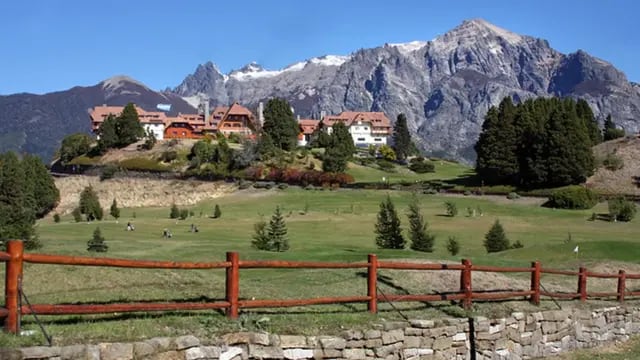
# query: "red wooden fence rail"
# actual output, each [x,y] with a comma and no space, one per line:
[15,257]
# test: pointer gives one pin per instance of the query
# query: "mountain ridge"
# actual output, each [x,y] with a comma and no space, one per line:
[444,85]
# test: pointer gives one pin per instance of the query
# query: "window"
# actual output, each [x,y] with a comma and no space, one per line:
[366,128]
[377,139]
[360,139]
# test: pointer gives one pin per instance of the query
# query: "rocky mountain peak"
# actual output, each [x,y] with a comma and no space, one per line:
[116,82]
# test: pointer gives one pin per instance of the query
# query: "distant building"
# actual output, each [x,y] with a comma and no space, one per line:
[307,128]
[150,120]
[366,128]
[224,119]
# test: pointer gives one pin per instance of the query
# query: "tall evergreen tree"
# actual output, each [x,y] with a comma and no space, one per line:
[340,150]
[280,124]
[387,229]
[570,158]
[497,160]
[421,239]
[610,130]
[495,240]
[532,153]
[128,126]
[90,204]
[401,138]
[17,215]
[585,113]
[342,139]
[45,194]
[114,210]
[277,231]
[107,134]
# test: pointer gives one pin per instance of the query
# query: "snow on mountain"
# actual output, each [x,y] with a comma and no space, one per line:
[407,48]
[330,60]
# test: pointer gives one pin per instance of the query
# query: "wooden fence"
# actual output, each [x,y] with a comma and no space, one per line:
[15,257]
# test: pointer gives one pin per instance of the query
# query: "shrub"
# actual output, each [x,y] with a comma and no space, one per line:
[621,209]
[77,215]
[174,213]
[143,164]
[33,243]
[387,152]
[385,165]
[467,193]
[184,213]
[573,197]
[108,172]
[513,196]
[495,240]
[613,162]
[451,209]
[234,138]
[420,166]
[517,245]
[216,212]
[168,156]
[56,218]
[453,247]
[282,186]
[97,243]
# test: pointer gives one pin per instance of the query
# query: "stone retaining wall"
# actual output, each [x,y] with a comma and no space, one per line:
[519,336]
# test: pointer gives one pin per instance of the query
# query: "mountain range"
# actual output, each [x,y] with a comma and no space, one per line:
[444,86]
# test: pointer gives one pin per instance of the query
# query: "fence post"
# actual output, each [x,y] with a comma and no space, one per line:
[535,283]
[13,276]
[465,284]
[622,285]
[233,284]
[372,284]
[582,283]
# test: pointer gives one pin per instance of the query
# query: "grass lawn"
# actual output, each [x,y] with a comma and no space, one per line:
[444,170]
[338,227]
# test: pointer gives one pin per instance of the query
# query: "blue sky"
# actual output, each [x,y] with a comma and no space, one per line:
[54,45]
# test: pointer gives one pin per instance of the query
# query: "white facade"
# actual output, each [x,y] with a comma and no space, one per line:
[361,132]
[156,128]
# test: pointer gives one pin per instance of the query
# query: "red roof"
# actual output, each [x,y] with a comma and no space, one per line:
[308,126]
[377,119]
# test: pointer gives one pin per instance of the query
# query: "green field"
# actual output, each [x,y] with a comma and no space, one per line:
[337,227]
[444,170]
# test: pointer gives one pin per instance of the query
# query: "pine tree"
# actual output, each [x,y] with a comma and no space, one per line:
[401,138]
[114,210]
[387,228]
[570,158]
[610,131]
[421,240]
[495,240]
[260,237]
[97,243]
[497,161]
[44,192]
[108,136]
[128,126]
[453,246]
[77,216]
[216,212]
[174,213]
[277,232]
[90,204]
[586,115]
[17,216]
[342,139]
[280,124]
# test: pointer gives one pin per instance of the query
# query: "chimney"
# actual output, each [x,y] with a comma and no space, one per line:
[298,117]
[206,110]
[322,114]
[261,113]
